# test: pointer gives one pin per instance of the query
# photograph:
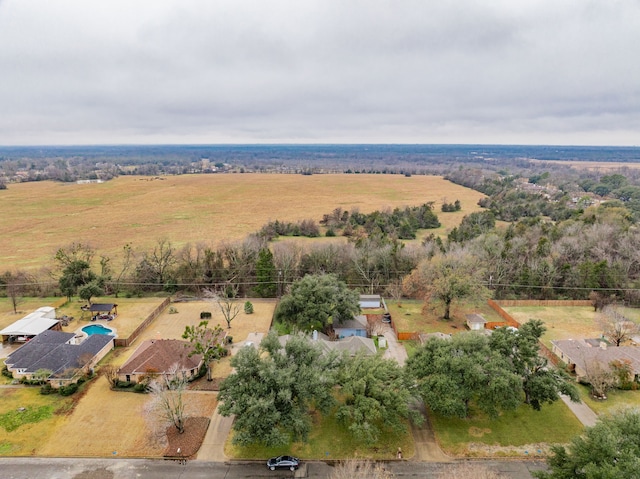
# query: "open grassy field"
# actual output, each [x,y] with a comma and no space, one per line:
[40,217]
[573,322]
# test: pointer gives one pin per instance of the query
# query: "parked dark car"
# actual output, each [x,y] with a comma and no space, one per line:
[283,462]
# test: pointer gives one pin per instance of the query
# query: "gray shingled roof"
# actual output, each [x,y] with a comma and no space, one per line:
[580,351]
[50,350]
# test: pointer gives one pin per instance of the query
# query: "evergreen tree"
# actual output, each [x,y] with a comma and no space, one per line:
[265,274]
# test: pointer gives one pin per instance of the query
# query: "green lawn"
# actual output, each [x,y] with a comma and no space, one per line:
[616,399]
[28,418]
[516,431]
[329,440]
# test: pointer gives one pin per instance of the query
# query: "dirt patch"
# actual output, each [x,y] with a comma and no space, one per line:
[478,432]
[537,450]
[202,384]
[189,441]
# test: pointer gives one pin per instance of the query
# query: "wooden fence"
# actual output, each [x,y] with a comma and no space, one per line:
[508,319]
[543,302]
[125,342]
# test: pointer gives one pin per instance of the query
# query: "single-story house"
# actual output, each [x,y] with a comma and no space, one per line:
[579,353]
[475,322]
[64,354]
[351,345]
[25,329]
[370,301]
[354,327]
[167,357]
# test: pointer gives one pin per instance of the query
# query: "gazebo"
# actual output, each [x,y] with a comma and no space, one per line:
[103,309]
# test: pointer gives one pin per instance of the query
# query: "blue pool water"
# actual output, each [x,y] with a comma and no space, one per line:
[97,329]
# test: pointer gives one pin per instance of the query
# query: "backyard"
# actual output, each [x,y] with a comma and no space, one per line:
[414,316]
[568,322]
[127,425]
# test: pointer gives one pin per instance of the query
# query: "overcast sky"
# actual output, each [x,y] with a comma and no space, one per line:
[325,71]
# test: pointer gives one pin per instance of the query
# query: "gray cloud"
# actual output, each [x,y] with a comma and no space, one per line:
[533,71]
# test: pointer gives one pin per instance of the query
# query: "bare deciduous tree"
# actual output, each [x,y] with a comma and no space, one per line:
[168,402]
[110,372]
[599,301]
[599,376]
[16,286]
[394,289]
[227,305]
[127,261]
[616,327]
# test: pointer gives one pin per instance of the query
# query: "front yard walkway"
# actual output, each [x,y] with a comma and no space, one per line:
[583,412]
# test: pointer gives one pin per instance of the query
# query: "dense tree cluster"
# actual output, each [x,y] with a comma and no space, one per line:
[610,449]
[317,302]
[274,390]
[401,223]
[493,375]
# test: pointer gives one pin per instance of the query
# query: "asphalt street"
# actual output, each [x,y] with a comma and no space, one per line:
[56,468]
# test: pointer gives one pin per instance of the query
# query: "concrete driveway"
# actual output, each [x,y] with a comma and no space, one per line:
[395,350]
[212,448]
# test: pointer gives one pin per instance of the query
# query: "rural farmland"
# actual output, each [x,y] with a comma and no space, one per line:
[39,217]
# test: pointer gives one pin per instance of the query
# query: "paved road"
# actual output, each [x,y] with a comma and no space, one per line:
[43,468]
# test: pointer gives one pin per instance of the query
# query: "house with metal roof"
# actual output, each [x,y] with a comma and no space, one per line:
[25,329]
[64,355]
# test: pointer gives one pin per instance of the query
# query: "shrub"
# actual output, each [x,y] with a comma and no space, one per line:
[205,315]
[140,388]
[248,307]
[6,373]
[172,310]
[124,384]
[47,389]
[68,390]
[228,339]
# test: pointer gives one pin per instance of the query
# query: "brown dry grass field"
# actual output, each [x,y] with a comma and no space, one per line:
[95,425]
[40,217]
[571,322]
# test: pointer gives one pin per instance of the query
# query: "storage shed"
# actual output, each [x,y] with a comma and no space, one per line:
[475,322]
[370,301]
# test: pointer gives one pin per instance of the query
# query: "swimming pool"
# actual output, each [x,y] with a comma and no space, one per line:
[97,329]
